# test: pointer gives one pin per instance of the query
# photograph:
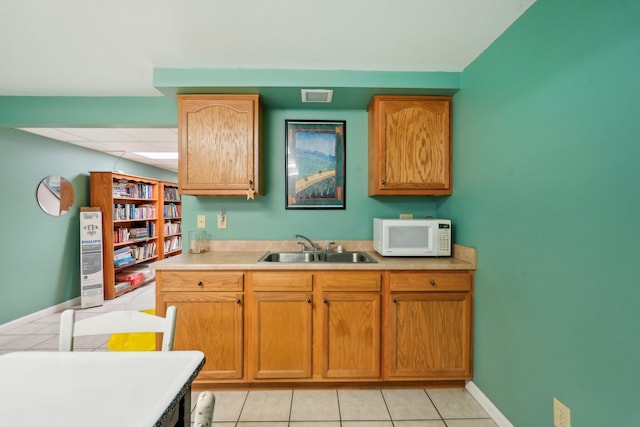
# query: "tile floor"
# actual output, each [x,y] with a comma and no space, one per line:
[282,408]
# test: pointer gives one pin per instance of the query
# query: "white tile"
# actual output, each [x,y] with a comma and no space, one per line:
[419,423]
[456,403]
[28,328]
[367,424]
[315,405]
[362,405]
[228,405]
[472,423]
[314,424]
[267,406]
[50,344]
[410,404]
[262,424]
[24,342]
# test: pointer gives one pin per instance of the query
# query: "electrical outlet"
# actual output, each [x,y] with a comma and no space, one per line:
[202,221]
[222,221]
[561,414]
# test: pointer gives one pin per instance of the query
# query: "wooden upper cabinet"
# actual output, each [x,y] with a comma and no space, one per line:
[219,145]
[409,145]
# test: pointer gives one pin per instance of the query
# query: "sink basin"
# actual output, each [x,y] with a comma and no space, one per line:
[328,257]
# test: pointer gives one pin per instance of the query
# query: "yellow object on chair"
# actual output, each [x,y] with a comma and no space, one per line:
[135,341]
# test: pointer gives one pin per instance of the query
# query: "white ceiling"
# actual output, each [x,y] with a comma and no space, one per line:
[110,48]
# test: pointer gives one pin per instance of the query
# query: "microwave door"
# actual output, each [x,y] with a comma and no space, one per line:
[410,240]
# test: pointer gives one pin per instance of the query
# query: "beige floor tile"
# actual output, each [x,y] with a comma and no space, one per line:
[456,403]
[28,328]
[419,423]
[267,406]
[367,424]
[410,405]
[315,405]
[362,405]
[228,405]
[216,424]
[90,342]
[262,424]
[314,424]
[472,423]
[24,342]
[50,344]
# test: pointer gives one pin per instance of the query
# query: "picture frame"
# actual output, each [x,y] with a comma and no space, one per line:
[315,164]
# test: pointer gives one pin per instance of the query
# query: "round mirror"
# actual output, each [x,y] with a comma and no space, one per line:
[55,195]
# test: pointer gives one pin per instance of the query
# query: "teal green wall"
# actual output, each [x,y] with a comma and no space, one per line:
[40,253]
[546,151]
[265,218]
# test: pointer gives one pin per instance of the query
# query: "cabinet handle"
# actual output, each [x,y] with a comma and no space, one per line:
[309,300]
[383,182]
[200,284]
[395,301]
[250,183]
[238,301]
[324,300]
[432,282]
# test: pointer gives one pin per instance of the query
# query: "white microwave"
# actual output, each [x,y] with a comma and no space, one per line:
[412,237]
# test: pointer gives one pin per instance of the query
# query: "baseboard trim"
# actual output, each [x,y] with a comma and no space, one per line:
[38,314]
[488,405]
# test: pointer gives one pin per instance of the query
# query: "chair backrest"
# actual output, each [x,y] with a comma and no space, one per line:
[203,415]
[117,322]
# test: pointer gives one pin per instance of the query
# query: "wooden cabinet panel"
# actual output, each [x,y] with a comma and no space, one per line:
[212,323]
[219,138]
[282,281]
[351,335]
[409,145]
[201,281]
[430,281]
[281,335]
[350,281]
[430,335]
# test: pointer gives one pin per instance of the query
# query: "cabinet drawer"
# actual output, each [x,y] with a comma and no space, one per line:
[282,281]
[351,281]
[194,281]
[430,281]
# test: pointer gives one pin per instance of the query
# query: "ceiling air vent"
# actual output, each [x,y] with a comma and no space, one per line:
[317,95]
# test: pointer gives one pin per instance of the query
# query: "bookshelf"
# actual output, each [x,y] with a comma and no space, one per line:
[170,236]
[133,224]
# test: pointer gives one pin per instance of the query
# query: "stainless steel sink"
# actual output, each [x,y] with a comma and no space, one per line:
[328,257]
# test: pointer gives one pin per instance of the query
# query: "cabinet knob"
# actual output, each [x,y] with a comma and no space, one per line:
[309,300]
[250,183]
[432,282]
[324,300]
[200,284]
[383,182]
[395,301]
[238,301]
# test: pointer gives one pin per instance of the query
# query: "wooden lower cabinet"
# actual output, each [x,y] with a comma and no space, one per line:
[430,325]
[281,335]
[268,327]
[210,318]
[351,335]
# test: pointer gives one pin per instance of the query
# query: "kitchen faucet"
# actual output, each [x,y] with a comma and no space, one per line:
[314,246]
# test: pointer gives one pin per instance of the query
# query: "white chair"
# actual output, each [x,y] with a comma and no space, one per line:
[204,409]
[117,322]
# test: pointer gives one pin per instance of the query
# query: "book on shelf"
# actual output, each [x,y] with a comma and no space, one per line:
[172,211]
[132,190]
[171,193]
[173,243]
[171,227]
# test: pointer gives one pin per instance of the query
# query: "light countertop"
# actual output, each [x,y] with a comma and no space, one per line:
[243,255]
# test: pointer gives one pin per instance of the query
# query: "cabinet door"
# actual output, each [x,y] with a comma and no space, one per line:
[430,336]
[351,335]
[212,323]
[410,146]
[281,335]
[218,144]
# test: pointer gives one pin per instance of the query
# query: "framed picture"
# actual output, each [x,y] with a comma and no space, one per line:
[315,164]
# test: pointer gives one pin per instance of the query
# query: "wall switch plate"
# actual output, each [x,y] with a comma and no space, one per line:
[222,221]
[406,216]
[202,221]
[561,414]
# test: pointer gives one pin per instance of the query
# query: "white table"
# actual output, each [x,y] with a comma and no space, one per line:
[94,389]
